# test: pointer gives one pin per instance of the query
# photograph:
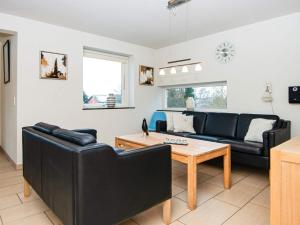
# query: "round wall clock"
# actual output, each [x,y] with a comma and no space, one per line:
[225,52]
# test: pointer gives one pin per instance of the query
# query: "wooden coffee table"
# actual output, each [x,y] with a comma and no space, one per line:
[197,151]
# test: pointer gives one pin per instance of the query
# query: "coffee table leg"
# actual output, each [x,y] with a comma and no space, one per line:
[192,182]
[227,168]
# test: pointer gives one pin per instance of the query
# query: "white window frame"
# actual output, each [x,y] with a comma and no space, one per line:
[124,59]
[208,84]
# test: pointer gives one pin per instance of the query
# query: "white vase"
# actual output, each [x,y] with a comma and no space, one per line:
[111,101]
[190,104]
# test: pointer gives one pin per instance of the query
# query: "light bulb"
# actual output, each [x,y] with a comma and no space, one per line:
[173,70]
[198,67]
[185,69]
[162,72]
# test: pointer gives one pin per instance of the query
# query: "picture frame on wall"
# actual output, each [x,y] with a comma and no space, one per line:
[146,75]
[6,62]
[53,66]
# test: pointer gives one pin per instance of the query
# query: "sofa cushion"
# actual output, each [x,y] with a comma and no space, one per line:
[183,123]
[249,147]
[204,137]
[256,129]
[245,120]
[221,124]
[45,127]
[74,137]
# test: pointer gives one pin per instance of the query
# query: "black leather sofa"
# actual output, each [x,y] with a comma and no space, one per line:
[88,183]
[231,128]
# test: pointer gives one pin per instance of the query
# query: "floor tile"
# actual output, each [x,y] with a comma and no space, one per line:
[9,201]
[238,195]
[263,198]
[10,190]
[128,222]
[9,174]
[210,169]
[153,216]
[6,169]
[219,179]
[176,223]
[53,218]
[257,180]
[22,211]
[33,196]
[176,190]
[212,212]
[182,180]
[177,173]
[205,191]
[39,219]
[249,215]
[10,181]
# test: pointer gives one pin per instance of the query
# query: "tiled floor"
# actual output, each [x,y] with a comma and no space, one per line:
[247,202]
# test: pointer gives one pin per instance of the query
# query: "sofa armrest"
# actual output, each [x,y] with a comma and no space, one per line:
[87,131]
[275,137]
[122,185]
[161,126]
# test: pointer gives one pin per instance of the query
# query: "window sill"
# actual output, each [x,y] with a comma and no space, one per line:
[105,108]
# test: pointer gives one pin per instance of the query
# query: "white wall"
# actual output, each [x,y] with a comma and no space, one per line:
[8,106]
[60,102]
[266,52]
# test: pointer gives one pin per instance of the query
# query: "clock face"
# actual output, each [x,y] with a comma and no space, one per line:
[225,52]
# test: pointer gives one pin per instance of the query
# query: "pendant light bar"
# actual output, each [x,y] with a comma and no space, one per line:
[181,60]
[184,68]
[188,64]
[174,3]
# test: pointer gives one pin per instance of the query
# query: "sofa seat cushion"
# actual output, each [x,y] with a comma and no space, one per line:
[248,147]
[45,127]
[181,134]
[74,137]
[205,137]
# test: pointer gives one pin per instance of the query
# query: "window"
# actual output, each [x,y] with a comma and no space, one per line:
[104,74]
[206,96]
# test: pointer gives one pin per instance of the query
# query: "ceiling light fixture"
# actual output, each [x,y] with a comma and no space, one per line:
[173,70]
[172,5]
[162,72]
[197,68]
[185,69]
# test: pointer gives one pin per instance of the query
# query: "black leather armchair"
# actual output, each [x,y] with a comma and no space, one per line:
[88,183]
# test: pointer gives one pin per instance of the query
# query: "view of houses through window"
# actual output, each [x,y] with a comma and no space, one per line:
[207,96]
[104,74]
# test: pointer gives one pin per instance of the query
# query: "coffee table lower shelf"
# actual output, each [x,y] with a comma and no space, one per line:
[191,161]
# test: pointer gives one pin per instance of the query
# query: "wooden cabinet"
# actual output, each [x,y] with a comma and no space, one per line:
[285,183]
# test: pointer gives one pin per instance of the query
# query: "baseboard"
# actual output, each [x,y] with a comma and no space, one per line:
[16,166]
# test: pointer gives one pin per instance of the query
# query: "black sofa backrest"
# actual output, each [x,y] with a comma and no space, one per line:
[55,182]
[221,124]
[245,120]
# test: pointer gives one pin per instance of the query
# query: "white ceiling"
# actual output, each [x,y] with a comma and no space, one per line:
[146,22]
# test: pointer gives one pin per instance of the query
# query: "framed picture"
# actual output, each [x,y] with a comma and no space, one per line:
[6,62]
[53,66]
[146,75]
